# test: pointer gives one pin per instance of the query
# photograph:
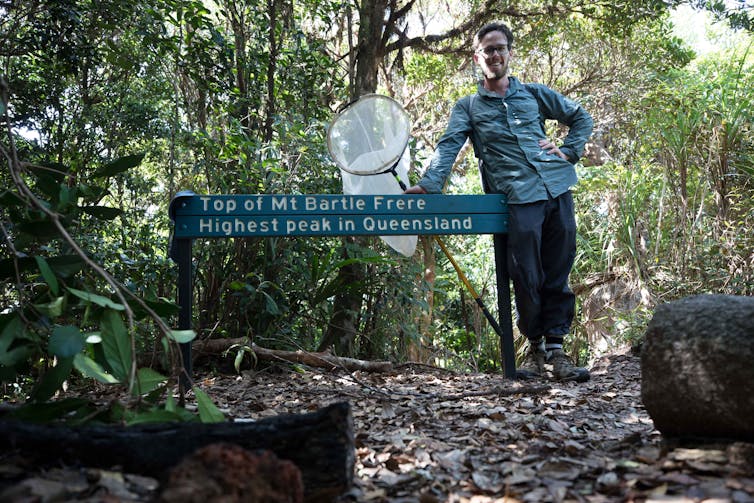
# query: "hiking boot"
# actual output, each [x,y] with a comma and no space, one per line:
[563,368]
[534,363]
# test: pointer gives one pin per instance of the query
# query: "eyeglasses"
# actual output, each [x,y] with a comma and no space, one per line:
[488,52]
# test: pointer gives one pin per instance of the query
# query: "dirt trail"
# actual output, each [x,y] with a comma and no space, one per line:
[429,435]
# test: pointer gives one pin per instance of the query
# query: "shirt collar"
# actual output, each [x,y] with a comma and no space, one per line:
[513,86]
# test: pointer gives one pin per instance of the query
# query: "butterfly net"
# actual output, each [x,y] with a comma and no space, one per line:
[369,138]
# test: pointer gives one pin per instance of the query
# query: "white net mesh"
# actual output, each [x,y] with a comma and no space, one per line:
[370,135]
[383,183]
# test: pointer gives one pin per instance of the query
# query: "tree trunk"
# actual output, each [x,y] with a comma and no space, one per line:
[272,10]
[371,45]
[343,326]
[416,350]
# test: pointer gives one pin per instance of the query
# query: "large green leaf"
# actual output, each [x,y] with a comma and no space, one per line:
[116,345]
[48,185]
[162,307]
[66,341]
[208,411]
[147,380]
[66,266]
[47,274]
[172,406]
[54,170]
[96,299]
[170,403]
[11,328]
[52,380]
[271,305]
[13,333]
[182,336]
[51,309]
[119,165]
[67,197]
[92,369]
[155,416]
[39,230]
[92,192]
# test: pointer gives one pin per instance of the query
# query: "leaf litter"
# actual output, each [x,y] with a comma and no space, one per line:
[430,435]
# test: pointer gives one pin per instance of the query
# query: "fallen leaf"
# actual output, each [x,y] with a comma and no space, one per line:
[488,482]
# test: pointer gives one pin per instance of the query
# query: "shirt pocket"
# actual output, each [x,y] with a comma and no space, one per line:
[523,113]
[489,122]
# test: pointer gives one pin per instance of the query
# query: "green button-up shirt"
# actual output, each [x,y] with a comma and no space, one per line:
[505,132]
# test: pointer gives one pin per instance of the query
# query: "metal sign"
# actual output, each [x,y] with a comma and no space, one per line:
[261,215]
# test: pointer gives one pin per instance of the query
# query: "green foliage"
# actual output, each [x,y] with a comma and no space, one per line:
[208,411]
[116,106]
[55,300]
[669,214]
[707,155]
[738,14]
[614,221]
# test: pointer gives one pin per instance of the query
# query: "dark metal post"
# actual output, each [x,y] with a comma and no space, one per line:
[179,250]
[185,300]
[504,305]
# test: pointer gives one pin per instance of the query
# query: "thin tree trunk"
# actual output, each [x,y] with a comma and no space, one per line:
[417,350]
[343,326]
[269,121]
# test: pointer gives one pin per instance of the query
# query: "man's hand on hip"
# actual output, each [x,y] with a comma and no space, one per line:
[550,147]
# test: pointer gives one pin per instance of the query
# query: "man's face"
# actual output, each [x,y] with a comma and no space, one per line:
[493,56]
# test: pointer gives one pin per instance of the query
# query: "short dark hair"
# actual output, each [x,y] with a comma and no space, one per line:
[494,26]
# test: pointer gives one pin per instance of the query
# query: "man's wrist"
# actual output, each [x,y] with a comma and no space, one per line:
[570,155]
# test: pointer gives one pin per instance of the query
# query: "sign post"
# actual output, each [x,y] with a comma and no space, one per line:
[267,215]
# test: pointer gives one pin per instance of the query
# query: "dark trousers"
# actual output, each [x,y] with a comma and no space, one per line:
[541,251]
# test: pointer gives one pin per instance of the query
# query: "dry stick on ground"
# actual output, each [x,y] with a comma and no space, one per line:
[313,359]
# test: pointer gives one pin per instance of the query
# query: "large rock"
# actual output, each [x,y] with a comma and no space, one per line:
[698,367]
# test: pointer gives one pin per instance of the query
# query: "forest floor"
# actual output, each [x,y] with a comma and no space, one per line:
[429,435]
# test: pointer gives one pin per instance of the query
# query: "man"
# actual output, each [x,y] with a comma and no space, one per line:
[505,121]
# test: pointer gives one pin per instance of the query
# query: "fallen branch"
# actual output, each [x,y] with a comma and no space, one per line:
[216,346]
[313,359]
[322,359]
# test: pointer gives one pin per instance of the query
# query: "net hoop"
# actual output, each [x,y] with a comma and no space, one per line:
[370,135]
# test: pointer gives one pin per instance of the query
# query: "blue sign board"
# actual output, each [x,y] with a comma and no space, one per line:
[337,215]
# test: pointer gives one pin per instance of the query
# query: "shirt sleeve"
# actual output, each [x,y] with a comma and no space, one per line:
[446,151]
[555,106]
